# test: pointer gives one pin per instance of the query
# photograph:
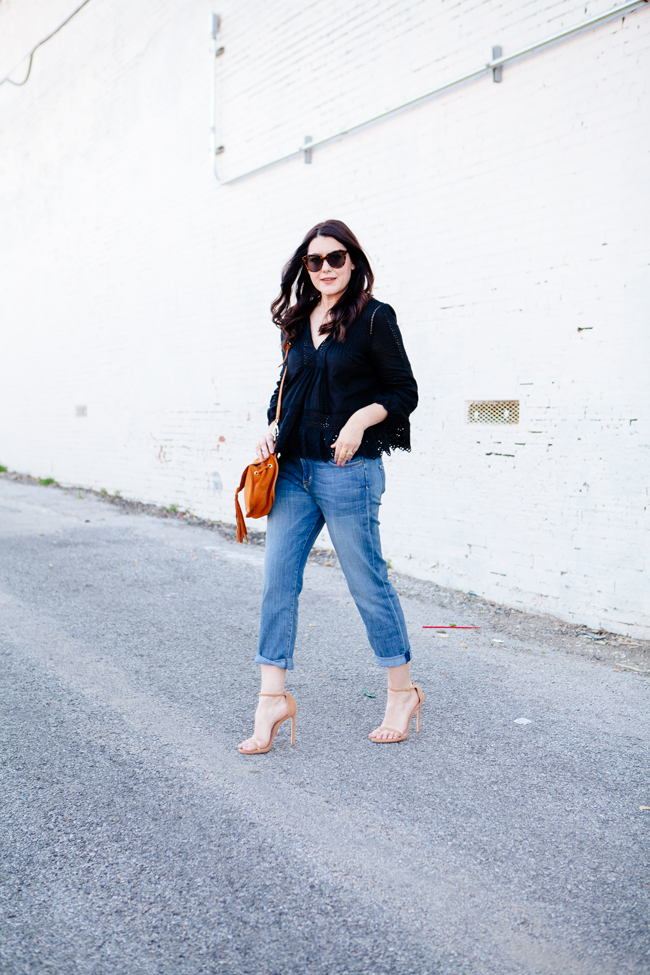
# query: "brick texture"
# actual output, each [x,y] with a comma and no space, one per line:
[508,226]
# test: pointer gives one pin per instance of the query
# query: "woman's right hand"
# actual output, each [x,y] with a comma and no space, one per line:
[265,446]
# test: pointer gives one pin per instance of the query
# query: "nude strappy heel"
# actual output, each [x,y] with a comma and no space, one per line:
[402,735]
[291,701]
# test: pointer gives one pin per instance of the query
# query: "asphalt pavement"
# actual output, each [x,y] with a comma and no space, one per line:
[508,838]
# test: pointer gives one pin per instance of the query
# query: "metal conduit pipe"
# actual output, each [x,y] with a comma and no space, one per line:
[493,66]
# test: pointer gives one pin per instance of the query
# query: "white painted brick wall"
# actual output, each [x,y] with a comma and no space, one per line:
[501,219]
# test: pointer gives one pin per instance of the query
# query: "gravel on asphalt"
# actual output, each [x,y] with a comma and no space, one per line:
[510,836]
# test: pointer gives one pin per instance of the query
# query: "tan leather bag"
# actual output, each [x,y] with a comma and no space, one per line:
[258,479]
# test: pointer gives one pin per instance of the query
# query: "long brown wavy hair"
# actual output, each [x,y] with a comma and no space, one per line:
[296,284]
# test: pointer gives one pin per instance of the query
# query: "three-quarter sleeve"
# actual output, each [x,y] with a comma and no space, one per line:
[325,386]
[399,391]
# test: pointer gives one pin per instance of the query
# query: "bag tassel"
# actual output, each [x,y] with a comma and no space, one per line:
[242,531]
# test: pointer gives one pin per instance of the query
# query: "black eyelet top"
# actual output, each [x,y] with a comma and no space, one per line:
[325,386]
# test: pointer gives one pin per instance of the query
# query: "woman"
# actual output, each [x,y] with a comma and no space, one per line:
[347,396]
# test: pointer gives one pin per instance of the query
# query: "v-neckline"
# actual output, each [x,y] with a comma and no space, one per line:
[320,344]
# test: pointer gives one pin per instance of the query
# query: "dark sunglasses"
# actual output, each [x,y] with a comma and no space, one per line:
[314,262]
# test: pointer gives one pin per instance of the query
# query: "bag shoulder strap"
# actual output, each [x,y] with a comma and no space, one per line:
[284,363]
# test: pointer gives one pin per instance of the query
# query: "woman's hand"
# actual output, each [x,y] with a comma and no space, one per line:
[265,446]
[348,441]
[351,435]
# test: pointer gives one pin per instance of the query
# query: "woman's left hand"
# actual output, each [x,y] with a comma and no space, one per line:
[348,441]
[351,435]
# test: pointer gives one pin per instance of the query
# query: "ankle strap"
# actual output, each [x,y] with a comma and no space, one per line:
[400,690]
[284,694]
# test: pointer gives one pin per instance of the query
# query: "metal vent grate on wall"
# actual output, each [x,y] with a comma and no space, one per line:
[493,411]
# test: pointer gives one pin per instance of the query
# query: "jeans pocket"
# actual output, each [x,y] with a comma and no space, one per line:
[383,478]
[348,463]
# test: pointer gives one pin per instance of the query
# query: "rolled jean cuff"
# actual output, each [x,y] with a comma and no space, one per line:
[403,658]
[282,664]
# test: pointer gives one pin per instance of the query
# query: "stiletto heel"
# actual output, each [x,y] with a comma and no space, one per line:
[291,703]
[416,710]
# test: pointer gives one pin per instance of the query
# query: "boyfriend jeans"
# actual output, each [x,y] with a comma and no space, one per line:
[309,494]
